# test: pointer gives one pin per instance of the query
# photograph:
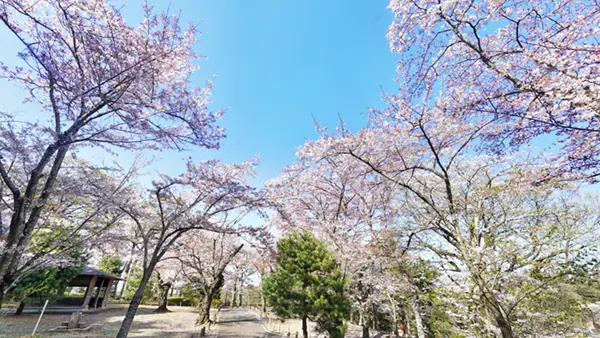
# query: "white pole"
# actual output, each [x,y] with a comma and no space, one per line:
[39,319]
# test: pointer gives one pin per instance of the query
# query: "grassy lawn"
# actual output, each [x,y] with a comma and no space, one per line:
[177,323]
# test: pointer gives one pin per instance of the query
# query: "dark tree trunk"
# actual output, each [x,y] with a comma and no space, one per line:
[304,327]
[395,322]
[365,331]
[135,303]
[1,294]
[405,325]
[374,318]
[504,327]
[204,315]
[21,227]
[164,294]
[20,308]
[500,317]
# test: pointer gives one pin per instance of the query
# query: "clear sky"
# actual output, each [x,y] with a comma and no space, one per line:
[278,64]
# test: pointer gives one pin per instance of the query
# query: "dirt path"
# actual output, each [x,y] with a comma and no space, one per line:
[237,323]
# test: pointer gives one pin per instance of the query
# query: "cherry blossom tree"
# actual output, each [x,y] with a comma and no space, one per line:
[208,196]
[263,262]
[78,217]
[204,263]
[241,271]
[532,66]
[166,275]
[98,81]
[332,197]
[122,239]
[367,294]
[255,261]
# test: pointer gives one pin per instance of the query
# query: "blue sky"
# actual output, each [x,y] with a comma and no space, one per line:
[278,64]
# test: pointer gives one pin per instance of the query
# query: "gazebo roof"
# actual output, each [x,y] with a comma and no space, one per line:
[88,271]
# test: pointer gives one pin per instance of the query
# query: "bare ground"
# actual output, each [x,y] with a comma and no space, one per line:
[294,326]
[178,323]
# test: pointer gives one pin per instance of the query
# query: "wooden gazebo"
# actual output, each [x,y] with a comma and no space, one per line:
[98,285]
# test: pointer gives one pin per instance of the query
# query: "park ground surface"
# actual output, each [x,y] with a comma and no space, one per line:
[180,322]
[240,322]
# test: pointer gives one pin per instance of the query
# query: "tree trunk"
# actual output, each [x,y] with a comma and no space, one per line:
[204,315]
[418,320]
[164,296]
[125,274]
[374,318]
[363,323]
[20,308]
[395,319]
[135,303]
[20,228]
[263,303]
[502,322]
[304,327]
[365,331]
[234,294]
[1,294]
[504,327]
[405,325]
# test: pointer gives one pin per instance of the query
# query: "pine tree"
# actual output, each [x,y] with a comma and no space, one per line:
[111,264]
[309,284]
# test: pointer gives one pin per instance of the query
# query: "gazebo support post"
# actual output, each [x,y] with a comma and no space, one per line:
[88,292]
[98,293]
[107,293]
